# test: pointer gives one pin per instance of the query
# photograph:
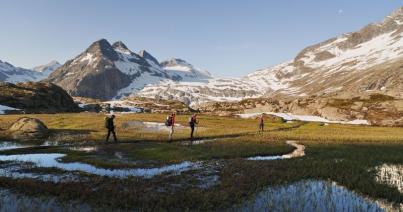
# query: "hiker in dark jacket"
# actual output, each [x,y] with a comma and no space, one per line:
[111,128]
[192,123]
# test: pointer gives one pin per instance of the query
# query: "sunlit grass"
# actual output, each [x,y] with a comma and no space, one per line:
[346,154]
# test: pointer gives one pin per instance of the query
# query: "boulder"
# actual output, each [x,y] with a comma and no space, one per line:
[28,128]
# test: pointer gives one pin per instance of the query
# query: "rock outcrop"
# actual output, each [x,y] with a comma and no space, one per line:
[35,97]
[28,128]
[377,109]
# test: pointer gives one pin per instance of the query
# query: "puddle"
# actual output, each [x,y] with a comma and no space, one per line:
[8,145]
[86,149]
[10,201]
[53,160]
[311,195]
[391,175]
[201,141]
[150,126]
[52,143]
[20,171]
[298,152]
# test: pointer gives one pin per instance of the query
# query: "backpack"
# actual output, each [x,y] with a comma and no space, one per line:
[107,122]
[168,122]
[192,120]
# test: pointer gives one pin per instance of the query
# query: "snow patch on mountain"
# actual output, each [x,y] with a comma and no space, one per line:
[308,118]
[379,49]
[10,73]
[48,68]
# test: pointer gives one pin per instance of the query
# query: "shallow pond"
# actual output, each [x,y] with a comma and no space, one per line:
[9,145]
[298,152]
[52,160]
[311,195]
[10,201]
[391,175]
[150,126]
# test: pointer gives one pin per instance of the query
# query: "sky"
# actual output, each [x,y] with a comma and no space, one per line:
[225,37]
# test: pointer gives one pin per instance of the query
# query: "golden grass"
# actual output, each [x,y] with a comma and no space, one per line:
[92,125]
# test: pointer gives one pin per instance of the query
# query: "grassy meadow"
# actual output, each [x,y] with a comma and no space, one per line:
[346,154]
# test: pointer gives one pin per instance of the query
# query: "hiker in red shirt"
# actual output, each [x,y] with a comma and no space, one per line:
[170,122]
[261,122]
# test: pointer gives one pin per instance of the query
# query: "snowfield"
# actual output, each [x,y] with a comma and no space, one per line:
[308,118]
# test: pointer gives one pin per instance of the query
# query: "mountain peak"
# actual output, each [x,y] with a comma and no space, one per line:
[102,47]
[121,47]
[49,67]
[397,13]
[175,62]
[144,54]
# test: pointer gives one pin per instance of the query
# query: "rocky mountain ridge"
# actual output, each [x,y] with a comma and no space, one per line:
[106,71]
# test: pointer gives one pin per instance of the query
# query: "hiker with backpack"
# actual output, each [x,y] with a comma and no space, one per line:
[170,122]
[261,122]
[192,123]
[110,126]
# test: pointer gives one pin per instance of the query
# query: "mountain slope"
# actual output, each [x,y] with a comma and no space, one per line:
[10,73]
[103,70]
[352,64]
[36,97]
[106,71]
[47,68]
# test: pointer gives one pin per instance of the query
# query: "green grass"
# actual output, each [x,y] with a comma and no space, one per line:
[345,154]
[349,165]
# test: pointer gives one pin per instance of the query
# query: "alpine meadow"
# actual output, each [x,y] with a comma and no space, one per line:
[104,127]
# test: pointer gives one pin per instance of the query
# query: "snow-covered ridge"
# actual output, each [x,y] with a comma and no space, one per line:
[379,49]
[180,68]
[10,73]
[47,68]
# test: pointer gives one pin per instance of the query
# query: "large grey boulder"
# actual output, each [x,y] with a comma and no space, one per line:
[28,128]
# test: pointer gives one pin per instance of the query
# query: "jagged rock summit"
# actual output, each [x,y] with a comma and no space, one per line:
[104,71]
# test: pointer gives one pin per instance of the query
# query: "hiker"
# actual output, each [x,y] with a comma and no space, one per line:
[111,128]
[192,123]
[261,122]
[170,122]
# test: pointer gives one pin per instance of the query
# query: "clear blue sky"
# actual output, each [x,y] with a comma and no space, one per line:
[225,37]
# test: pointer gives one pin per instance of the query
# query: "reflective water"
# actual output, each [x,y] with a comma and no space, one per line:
[310,195]
[10,201]
[53,160]
[150,126]
[391,175]
[298,152]
[19,171]
[8,145]
[84,148]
